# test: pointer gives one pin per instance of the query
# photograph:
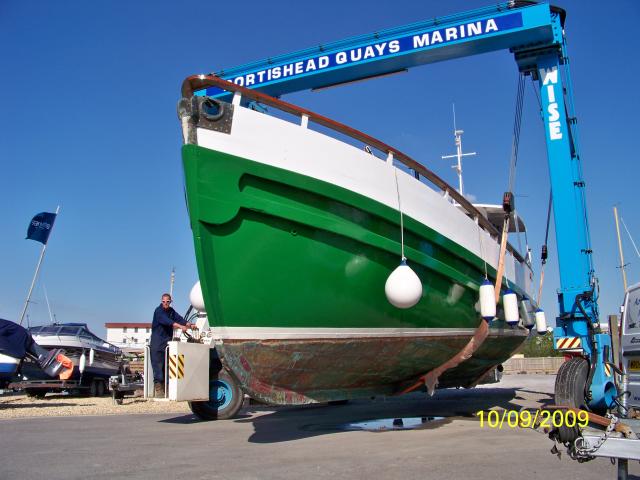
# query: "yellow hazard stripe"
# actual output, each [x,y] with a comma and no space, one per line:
[172,366]
[568,342]
[607,369]
[181,365]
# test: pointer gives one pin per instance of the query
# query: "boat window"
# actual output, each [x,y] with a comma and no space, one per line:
[86,334]
[45,330]
[632,312]
[65,330]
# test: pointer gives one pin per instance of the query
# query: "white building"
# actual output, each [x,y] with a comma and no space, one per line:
[129,336]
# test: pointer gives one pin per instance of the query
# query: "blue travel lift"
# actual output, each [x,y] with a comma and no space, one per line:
[534,33]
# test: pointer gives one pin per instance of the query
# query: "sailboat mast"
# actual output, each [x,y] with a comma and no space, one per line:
[622,264]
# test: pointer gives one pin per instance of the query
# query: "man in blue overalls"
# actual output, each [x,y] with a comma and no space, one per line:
[165,319]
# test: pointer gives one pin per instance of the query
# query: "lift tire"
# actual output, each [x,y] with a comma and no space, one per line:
[569,391]
[225,398]
[35,393]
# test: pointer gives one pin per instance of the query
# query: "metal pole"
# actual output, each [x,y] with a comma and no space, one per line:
[623,463]
[624,273]
[33,282]
[172,281]
[35,275]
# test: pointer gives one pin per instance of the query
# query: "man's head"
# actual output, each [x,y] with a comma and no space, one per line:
[165,301]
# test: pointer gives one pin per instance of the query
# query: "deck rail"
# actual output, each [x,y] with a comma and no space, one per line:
[197,82]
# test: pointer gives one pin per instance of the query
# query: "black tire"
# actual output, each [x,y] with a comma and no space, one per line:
[225,398]
[570,390]
[35,393]
[93,389]
[100,389]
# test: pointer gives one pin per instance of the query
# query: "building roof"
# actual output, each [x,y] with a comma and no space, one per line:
[127,325]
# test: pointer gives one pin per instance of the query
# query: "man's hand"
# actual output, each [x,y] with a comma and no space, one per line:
[184,328]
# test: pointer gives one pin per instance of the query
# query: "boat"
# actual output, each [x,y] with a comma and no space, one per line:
[8,367]
[101,359]
[296,232]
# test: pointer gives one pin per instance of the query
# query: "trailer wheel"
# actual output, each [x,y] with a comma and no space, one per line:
[569,391]
[100,388]
[225,399]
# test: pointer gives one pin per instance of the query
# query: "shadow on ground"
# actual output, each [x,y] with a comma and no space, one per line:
[298,422]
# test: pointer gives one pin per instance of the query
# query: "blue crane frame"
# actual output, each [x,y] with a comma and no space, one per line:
[534,33]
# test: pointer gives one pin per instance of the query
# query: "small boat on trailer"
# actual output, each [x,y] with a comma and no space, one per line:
[94,359]
[296,233]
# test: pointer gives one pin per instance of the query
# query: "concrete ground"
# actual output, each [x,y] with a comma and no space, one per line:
[301,442]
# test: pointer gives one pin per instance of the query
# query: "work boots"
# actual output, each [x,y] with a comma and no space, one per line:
[158,390]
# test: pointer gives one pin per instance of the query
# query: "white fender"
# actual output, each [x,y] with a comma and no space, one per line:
[487,300]
[403,287]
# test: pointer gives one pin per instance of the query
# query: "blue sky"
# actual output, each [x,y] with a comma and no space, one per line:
[89,92]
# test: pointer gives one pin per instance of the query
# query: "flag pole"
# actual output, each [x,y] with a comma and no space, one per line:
[35,275]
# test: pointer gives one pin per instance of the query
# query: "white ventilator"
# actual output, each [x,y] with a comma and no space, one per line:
[92,356]
[403,287]
[487,300]
[541,322]
[196,298]
[510,304]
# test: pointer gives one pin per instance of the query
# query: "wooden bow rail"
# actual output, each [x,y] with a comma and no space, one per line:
[198,82]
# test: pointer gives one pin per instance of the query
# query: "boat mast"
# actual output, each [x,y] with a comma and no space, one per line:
[622,264]
[172,281]
[458,140]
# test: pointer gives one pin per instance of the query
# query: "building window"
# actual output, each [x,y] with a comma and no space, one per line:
[134,340]
[124,329]
[148,330]
[135,330]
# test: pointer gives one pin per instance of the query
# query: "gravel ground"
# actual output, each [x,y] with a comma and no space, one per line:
[59,405]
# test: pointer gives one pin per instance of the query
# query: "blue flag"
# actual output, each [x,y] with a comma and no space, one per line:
[40,227]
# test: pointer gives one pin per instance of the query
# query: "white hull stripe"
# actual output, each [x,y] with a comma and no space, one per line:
[8,359]
[273,141]
[287,333]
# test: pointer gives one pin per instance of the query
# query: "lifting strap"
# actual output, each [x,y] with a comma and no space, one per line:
[430,379]
[544,252]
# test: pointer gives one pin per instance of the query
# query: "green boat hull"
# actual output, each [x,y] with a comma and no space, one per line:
[295,255]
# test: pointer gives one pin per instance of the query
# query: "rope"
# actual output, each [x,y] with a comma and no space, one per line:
[546,234]
[395,173]
[517,124]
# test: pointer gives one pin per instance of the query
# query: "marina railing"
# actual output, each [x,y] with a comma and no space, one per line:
[198,82]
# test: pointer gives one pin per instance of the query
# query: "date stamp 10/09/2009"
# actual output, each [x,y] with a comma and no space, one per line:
[532,419]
